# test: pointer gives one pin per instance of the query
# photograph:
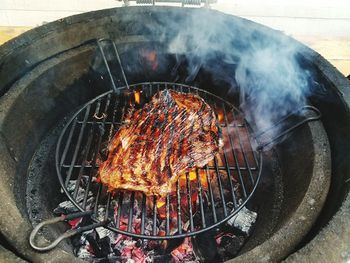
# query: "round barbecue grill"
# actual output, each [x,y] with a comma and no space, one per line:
[204,197]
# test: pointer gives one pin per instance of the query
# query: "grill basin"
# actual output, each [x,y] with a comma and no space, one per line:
[37,100]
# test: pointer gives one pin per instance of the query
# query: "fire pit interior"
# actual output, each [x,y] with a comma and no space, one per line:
[295,172]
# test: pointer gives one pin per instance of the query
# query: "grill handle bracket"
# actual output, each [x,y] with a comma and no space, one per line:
[116,53]
[67,234]
[268,136]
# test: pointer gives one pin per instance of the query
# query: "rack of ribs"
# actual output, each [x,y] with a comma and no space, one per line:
[172,134]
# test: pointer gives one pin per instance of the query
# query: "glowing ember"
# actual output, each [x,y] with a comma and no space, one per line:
[184,252]
[137,97]
[192,177]
[102,243]
[151,58]
[220,116]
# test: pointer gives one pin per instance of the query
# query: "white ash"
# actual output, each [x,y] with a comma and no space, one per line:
[104,232]
[80,196]
[186,225]
[101,211]
[148,227]
[244,220]
[68,205]
[83,253]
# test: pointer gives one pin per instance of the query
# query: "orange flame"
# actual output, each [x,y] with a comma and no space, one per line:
[220,116]
[151,58]
[137,96]
[192,176]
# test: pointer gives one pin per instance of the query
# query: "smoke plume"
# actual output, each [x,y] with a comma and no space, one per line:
[267,74]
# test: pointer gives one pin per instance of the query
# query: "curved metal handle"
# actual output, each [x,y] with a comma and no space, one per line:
[68,233]
[304,111]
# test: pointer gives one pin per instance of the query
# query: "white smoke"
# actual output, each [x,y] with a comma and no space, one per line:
[268,76]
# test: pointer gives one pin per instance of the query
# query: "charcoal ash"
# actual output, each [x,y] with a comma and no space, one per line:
[229,245]
[65,207]
[205,247]
[243,220]
[104,245]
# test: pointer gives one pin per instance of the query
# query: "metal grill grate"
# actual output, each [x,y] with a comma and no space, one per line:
[203,198]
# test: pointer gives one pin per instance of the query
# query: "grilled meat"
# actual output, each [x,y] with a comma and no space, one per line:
[172,134]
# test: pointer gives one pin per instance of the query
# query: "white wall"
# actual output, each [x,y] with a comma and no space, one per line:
[315,17]
[299,17]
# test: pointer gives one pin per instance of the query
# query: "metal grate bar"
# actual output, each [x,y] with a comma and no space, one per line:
[82,167]
[143,214]
[209,167]
[107,206]
[154,215]
[221,190]
[242,149]
[122,123]
[114,114]
[226,161]
[100,133]
[229,178]
[178,196]
[167,223]
[94,156]
[131,211]
[211,195]
[98,196]
[234,153]
[119,211]
[200,199]
[77,147]
[189,200]
[68,141]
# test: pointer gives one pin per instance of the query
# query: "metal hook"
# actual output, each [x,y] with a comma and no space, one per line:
[68,233]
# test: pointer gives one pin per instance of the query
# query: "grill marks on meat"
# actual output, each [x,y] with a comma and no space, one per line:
[169,136]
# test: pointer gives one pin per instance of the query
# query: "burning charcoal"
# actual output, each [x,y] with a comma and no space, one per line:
[111,259]
[229,245]
[79,240]
[101,211]
[170,244]
[65,207]
[243,220]
[83,253]
[100,247]
[71,185]
[163,259]
[116,251]
[205,247]
[130,251]
[104,232]
[184,252]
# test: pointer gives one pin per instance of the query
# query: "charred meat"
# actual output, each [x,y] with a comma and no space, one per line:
[172,134]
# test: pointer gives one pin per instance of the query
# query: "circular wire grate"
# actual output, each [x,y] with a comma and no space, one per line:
[202,198]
